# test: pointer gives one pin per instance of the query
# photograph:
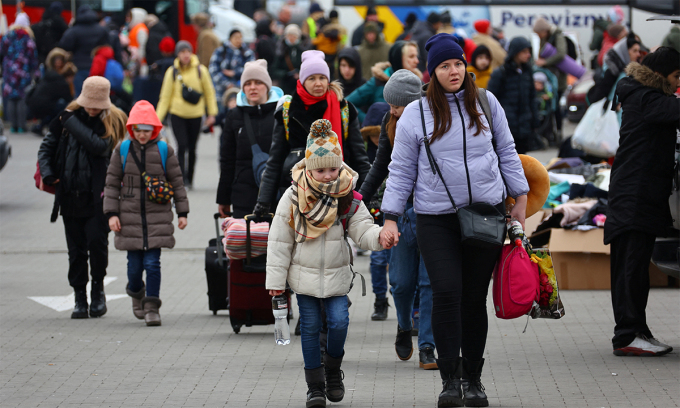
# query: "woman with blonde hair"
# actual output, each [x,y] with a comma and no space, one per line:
[74,157]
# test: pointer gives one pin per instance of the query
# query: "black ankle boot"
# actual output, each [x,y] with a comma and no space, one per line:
[316,385]
[335,389]
[473,390]
[380,309]
[404,344]
[80,310]
[451,395]
[97,299]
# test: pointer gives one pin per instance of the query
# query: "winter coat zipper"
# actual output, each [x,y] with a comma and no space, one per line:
[142,197]
[467,172]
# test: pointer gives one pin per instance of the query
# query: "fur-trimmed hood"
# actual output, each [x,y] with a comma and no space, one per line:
[370,132]
[336,87]
[54,53]
[645,76]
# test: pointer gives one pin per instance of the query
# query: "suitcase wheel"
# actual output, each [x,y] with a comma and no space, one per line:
[236,327]
[214,312]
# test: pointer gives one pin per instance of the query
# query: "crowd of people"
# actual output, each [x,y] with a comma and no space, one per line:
[343,120]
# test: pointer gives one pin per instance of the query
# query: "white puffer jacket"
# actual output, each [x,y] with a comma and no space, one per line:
[318,267]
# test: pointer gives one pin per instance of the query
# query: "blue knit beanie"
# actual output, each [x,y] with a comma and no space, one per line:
[440,48]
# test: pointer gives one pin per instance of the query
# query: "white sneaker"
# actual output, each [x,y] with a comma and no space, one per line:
[642,346]
[656,342]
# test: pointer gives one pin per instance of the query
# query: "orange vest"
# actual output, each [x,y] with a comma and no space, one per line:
[133,34]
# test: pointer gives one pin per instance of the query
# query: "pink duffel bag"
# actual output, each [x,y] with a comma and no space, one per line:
[515,283]
[235,238]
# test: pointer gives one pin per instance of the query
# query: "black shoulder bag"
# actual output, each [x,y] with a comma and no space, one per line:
[189,94]
[481,224]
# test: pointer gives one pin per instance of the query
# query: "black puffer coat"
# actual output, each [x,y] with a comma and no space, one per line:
[379,170]
[74,152]
[48,32]
[275,176]
[642,174]
[513,86]
[237,182]
[51,88]
[156,33]
[85,35]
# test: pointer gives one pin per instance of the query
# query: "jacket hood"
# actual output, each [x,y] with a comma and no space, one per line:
[103,51]
[143,113]
[20,31]
[137,16]
[646,77]
[56,52]
[621,49]
[86,15]
[395,56]
[351,54]
[516,45]
[482,49]
[262,28]
[275,94]
[601,24]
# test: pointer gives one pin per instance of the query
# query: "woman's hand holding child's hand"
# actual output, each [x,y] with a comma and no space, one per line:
[389,236]
[181,222]
[114,224]
[275,292]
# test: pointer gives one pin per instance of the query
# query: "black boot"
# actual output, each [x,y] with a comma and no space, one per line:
[380,309]
[316,396]
[335,389]
[451,395]
[473,390]
[80,310]
[427,360]
[97,299]
[404,344]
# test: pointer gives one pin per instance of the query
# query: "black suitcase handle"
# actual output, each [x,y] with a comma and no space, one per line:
[220,259]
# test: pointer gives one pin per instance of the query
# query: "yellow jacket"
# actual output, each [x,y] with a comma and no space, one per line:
[171,100]
[482,77]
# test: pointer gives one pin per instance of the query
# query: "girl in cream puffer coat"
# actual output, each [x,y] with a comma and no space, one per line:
[308,248]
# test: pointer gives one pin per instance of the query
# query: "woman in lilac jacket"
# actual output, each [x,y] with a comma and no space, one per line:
[463,147]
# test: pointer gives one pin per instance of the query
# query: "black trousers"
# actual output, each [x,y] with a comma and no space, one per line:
[87,237]
[186,132]
[631,253]
[460,277]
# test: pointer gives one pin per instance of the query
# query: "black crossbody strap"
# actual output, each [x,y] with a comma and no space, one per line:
[249,129]
[433,162]
[134,157]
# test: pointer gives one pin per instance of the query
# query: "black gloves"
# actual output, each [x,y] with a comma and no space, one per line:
[261,210]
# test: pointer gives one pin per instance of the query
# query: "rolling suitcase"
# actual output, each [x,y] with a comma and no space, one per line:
[217,272]
[249,301]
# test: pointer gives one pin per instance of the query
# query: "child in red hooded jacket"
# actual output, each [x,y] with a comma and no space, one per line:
[142,222]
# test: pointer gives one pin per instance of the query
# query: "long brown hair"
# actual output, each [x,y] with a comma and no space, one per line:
[114,121]
[392,128]
[441,111]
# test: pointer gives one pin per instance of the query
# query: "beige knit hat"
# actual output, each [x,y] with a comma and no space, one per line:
[95,93]
[541,25]
[323,147]
[256,70]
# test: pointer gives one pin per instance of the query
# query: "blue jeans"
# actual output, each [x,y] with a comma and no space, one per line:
[138,262]
[337,317]
[78,80]
[408,274]
[379,262]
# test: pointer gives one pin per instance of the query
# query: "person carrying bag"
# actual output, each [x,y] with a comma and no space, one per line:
[460,166]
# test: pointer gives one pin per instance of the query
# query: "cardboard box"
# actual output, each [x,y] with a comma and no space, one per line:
[581,260]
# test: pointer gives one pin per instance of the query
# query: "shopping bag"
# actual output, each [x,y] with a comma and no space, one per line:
[549,301]
[597,133]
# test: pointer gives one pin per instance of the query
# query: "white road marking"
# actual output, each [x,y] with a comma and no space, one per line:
[64,303]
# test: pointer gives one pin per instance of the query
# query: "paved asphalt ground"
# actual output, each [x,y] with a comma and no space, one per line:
[195,360]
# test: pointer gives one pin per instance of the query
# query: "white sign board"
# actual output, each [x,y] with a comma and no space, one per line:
[519,21]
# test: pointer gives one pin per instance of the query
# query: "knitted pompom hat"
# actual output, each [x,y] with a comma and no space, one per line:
[323,147]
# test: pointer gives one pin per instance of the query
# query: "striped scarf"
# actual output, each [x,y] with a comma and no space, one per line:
[315,205]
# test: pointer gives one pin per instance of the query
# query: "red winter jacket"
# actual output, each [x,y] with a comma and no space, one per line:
[100,56]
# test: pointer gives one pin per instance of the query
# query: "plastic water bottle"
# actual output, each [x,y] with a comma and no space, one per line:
[281,329]
[516,234]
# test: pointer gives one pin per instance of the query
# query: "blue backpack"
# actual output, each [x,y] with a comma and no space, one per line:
[115,74]
[125,148]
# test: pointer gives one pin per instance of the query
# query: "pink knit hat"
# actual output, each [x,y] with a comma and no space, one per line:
[313,62]
[256,70]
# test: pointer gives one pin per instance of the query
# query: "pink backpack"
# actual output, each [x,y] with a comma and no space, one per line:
[515,283]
